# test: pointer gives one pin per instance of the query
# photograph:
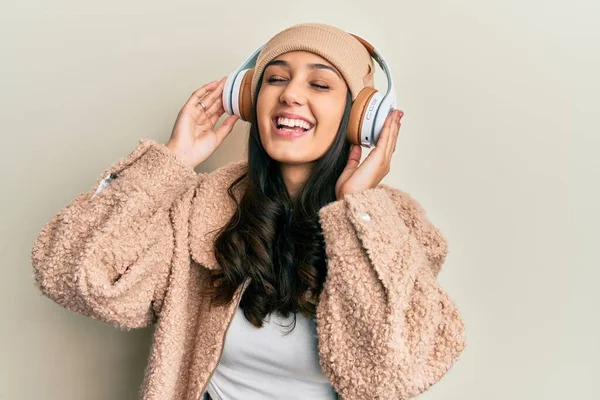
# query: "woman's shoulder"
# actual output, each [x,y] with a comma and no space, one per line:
[211,208]
[213,185]
[233,167]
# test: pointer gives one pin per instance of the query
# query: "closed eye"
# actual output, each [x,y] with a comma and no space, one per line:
[320,87]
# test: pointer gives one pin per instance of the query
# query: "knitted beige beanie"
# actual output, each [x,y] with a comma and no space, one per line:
[338,47]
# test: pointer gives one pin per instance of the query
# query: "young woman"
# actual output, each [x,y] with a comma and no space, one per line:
[294,274]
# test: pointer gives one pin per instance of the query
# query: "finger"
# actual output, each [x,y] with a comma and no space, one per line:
[211,115]
[213,109]
[353,160]
[221,109]
[395,141]
[198,94]
[384,137]
[216,111]
[213,95]
[354,156]
[393,129]
[200,117]
[352,164]
[397,132]
[226,127]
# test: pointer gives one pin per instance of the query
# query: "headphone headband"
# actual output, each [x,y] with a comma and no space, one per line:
[378,57]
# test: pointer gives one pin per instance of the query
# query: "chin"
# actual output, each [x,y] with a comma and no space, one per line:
[288,157]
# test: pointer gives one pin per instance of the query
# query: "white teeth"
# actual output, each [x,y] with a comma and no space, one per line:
[293,122]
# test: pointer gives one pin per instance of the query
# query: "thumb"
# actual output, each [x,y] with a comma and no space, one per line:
[226,127]
[354,155]
[353,160]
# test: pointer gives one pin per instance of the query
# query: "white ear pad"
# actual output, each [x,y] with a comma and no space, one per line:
[388,103]
[228,91]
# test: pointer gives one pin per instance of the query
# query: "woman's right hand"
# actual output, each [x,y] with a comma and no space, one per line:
[194,137]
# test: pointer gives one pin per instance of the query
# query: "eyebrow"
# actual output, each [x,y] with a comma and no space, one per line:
[283,63]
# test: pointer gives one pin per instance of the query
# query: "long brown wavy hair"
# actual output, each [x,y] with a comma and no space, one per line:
[274,240]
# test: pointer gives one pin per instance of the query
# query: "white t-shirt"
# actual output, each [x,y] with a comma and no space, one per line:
[266,363]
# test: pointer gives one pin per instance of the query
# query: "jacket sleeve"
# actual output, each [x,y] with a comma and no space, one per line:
[107,253]
[383,259]
[414,216]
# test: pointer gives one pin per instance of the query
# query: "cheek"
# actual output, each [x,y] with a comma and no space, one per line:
[260,104]
[262,111]
[265,103]
[329,119]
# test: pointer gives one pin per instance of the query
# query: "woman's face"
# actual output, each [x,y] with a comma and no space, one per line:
[300,90]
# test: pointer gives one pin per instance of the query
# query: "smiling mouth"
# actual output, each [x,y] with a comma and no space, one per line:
[292,125]
[294,129]
[286,132]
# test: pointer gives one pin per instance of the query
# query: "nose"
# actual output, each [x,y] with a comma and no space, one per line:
[292,94]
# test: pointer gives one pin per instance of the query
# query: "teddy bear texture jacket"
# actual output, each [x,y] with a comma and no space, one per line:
[137,253]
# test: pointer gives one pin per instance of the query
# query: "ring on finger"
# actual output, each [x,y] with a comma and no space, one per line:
[203,106]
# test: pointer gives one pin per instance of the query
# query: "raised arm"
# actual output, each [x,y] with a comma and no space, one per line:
[107,254]
[399,330]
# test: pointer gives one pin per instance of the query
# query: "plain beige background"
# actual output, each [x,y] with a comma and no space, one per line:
[497,143]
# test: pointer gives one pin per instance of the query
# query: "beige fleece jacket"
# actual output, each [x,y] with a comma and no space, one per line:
[138,253]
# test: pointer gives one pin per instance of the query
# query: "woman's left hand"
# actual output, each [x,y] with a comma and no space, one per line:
[356,178]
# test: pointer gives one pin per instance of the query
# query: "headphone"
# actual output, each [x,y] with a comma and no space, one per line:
[369,109]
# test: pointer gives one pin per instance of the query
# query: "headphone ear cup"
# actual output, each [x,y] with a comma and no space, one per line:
[236,94]
[358,113]
[245,97]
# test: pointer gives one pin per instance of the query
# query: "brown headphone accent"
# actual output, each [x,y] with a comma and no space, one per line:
[245,100]
[368,45]
[359,109]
